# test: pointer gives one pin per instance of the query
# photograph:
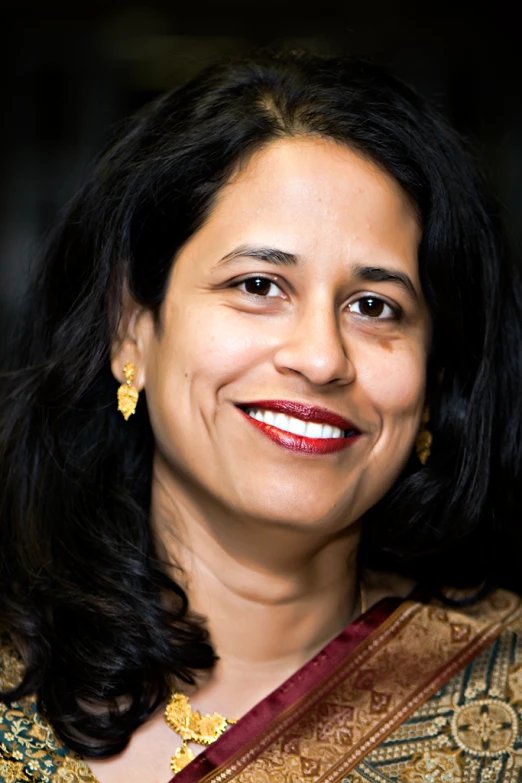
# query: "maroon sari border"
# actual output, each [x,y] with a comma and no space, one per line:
[307,701]
[313,679]
[392,623]
[480,642]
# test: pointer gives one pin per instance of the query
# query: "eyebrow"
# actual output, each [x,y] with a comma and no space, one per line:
[370,274]
[268,254]
[379,274]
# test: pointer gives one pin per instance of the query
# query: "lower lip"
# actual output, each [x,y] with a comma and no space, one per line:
[299,443]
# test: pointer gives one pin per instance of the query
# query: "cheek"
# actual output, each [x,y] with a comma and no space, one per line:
[395,380]
[217,347]
[200,352]
[394,384]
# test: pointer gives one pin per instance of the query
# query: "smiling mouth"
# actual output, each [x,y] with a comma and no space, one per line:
[307,429]
[315,431]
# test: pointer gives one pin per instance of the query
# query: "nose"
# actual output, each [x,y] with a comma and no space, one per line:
[315,348]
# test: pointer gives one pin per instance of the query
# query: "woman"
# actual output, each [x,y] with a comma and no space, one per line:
[292,556]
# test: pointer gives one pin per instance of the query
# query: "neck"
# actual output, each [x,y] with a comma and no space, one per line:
[272,594]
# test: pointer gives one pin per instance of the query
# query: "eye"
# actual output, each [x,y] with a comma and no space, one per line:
[375,308]
[259,286]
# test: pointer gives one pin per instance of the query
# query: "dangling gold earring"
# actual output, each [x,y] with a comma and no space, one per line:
[424,438]
[127,394]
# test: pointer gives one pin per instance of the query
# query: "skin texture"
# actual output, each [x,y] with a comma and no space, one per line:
[266,538]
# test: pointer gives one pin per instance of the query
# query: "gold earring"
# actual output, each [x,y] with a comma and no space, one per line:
[424,438]
[127,394]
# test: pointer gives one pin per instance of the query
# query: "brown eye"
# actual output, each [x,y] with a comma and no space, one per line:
[373,307]
[260,286]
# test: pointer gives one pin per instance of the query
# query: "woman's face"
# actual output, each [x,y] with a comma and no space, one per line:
[302,287]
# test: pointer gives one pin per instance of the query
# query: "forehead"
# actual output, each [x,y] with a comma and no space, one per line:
[319,172]
[315,198]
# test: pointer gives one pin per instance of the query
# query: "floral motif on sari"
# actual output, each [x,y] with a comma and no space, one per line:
[30,752]
[469,731]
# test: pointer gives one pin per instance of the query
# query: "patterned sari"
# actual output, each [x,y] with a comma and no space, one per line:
[409,692]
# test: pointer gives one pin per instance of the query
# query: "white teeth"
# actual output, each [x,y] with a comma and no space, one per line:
[268,417]
[297,426]
[310,429]
[280,421]
[314,430]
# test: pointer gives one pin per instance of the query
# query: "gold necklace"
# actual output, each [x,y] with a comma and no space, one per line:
[192,727]
[205,729]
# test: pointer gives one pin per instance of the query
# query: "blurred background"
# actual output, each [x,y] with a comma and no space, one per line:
[71,71]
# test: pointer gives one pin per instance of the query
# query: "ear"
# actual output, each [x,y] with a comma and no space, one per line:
[133,339]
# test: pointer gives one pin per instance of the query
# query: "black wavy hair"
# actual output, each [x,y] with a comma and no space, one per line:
[102,628]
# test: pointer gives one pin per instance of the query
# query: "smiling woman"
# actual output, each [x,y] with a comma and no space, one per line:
[303,523]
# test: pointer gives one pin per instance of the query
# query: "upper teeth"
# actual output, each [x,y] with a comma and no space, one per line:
[308,429]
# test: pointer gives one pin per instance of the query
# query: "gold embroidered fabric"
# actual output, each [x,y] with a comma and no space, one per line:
[470,731]
[433,696]
[392,717]
[30,752]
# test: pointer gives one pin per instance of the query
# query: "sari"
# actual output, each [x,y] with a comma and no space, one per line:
[409,692]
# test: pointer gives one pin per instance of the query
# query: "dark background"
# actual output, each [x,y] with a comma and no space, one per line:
[71,71]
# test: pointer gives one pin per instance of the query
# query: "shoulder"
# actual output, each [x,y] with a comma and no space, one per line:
[466,730]
[509,648]
[489,634]
[30,752]
[499,614]
[11,666]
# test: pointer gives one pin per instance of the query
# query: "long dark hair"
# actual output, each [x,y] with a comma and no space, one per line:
[101,626]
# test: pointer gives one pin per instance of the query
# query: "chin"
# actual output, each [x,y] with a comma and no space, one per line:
[305,516]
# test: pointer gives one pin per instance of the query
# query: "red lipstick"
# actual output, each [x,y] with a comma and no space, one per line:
[300,443]
[300,411]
